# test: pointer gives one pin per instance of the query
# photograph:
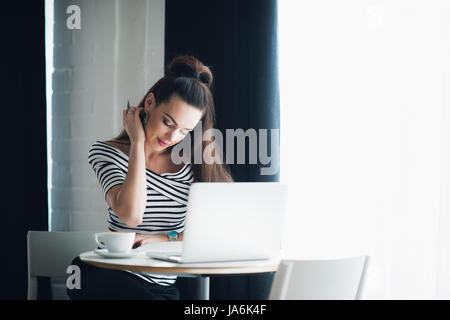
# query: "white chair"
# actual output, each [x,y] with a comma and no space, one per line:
[341,279]
[50,253]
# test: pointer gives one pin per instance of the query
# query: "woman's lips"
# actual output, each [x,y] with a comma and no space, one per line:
[162,143]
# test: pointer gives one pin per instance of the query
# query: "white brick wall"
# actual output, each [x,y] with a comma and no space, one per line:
[118,54]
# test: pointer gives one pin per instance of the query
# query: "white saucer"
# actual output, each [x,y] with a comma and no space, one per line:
[106,254]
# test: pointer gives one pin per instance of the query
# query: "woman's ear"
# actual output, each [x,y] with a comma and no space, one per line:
[149,102]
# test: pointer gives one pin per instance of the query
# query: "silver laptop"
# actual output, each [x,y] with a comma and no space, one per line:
[231,222]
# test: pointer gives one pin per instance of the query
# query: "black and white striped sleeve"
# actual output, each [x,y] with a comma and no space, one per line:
[107,167]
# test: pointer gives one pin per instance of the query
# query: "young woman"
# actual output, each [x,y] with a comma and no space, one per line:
[145,190]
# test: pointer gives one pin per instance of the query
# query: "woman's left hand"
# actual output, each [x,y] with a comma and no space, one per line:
[142,239]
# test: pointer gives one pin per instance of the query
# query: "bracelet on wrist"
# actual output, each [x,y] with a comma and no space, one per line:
[172,235]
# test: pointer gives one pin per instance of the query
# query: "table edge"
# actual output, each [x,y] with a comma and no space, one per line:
[178,269]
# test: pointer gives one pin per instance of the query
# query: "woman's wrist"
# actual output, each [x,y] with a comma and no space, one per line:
[174,236]
[137,143]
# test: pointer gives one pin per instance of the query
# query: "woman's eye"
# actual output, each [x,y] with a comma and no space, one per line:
[166,123]
[172,126]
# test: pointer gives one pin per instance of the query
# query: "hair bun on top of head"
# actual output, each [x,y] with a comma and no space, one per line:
[188,66]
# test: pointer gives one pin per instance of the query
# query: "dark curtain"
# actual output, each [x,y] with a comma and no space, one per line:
[23,139]
[237,39]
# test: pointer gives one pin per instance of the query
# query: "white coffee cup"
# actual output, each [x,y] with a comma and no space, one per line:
[115,242]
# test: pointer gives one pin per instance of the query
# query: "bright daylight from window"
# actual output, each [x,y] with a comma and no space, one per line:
[365,130]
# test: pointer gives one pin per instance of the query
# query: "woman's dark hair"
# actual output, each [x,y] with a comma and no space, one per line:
[190,80]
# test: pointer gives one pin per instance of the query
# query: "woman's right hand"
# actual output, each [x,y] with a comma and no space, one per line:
[133,125]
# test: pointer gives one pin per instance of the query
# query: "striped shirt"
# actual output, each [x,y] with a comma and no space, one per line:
[167,196]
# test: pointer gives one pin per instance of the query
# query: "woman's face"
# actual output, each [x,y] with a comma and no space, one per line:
[170,122]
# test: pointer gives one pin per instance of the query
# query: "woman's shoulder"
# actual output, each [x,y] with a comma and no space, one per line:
[102,153]
[108,150]
[121,145]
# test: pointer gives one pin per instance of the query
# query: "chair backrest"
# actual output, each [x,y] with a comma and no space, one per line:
[341,279]
[50,253]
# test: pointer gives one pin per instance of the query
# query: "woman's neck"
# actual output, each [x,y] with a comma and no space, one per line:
[151,154]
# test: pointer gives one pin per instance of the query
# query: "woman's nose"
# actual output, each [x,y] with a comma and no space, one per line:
[172,135]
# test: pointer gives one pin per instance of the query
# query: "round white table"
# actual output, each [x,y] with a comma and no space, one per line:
[143,263]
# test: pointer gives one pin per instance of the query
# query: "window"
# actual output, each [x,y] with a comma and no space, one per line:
[365,138]
[49,6]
